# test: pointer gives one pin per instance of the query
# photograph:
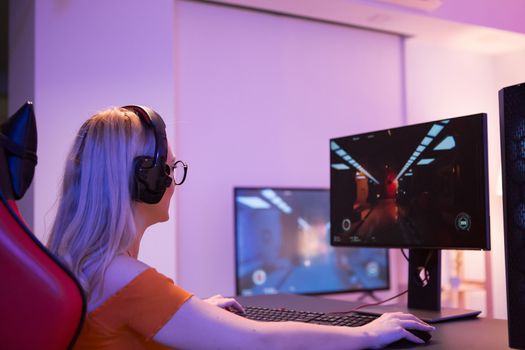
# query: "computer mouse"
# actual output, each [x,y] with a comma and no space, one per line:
[405,343]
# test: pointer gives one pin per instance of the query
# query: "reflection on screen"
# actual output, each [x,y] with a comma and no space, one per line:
[283,246]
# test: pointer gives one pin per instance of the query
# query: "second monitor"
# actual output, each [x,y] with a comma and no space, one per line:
[283,246]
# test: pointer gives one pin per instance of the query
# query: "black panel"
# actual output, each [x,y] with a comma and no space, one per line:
[512,119]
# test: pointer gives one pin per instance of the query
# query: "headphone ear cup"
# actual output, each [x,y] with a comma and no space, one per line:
[141,177]
[149,181]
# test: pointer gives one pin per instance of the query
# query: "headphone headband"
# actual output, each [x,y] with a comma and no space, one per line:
[150,118]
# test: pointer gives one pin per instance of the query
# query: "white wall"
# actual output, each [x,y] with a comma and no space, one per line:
[88,58]
[259,96]
[509,69]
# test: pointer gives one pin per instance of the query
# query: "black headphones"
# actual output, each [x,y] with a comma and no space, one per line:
[150,179]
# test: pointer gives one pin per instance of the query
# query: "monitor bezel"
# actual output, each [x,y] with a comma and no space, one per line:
[305,189]
[487,244]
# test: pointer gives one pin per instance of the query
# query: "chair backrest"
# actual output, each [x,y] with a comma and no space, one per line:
[41,303]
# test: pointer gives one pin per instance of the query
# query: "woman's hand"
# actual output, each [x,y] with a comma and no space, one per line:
[391,327]
[225,303]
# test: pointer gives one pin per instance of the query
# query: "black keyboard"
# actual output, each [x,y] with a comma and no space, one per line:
[279,315]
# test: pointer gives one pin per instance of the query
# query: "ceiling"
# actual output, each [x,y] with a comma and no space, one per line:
[406,17]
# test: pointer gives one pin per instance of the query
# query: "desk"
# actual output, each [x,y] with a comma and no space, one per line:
[477,333]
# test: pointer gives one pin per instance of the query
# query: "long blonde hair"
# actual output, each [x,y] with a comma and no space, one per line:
[94,221]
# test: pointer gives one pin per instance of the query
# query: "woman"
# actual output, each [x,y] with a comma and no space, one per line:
[118,181]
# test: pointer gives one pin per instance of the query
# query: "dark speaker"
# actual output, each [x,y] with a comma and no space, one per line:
[512,127]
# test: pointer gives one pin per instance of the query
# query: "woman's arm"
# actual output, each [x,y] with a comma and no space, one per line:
[200,325]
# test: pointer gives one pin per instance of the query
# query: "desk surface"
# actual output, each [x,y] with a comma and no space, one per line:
[477,333]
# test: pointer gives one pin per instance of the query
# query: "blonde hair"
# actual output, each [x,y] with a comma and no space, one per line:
[94,221]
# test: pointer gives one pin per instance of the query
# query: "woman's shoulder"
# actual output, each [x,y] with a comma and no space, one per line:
[120,273]
[123,269]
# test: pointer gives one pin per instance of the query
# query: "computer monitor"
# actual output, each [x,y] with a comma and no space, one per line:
[422,187]
[282,245]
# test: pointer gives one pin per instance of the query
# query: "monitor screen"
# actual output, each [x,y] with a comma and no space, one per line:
[418,186]
[283,246]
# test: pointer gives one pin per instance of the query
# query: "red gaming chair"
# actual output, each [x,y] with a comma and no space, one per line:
[41,304]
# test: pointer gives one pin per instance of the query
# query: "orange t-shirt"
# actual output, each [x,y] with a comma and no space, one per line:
[133,315]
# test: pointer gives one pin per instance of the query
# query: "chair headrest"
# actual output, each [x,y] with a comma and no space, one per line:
[18,144]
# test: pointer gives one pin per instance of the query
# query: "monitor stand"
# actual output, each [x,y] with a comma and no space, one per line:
[424,291]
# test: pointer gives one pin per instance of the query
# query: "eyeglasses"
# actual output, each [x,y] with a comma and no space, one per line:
[177,171]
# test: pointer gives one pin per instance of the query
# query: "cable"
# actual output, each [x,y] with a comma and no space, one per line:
[366,305]
[405,255]
[426,278]
[423,282]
